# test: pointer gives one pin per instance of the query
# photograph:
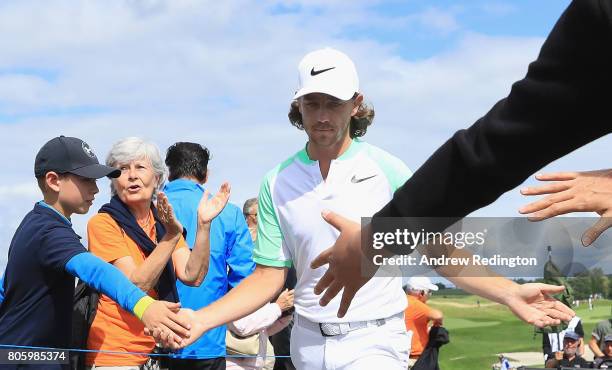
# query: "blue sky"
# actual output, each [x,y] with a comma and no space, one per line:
[436,26]
[222,74]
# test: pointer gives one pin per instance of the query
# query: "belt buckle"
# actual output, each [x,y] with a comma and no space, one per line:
[340,329]
[322,332]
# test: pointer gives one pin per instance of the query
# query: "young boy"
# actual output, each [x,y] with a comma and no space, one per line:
[45,255]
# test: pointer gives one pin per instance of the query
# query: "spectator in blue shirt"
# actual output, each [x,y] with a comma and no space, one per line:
[230,250]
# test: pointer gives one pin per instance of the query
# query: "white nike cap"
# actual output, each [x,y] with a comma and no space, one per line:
[421,283]
[327,71]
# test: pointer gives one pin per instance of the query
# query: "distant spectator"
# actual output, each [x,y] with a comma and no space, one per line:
[553,342]
[264,322]
[605,362]
[597,343]
[569,357]
[418,315]
[250,209]
[281,339]
[504,363]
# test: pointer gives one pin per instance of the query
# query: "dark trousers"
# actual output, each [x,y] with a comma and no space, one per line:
[197,364]
[281,340]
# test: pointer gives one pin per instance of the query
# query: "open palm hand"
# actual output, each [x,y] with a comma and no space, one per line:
[210,207]
[534,304]
[166,216]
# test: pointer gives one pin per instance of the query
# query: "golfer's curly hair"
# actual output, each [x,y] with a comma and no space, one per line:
[359,122]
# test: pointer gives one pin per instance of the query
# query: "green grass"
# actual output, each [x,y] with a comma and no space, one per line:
[451,293]
[478,334]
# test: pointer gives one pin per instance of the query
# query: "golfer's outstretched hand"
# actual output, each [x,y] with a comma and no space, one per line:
[573,192]
[165,338]
[349,267]
[534,304]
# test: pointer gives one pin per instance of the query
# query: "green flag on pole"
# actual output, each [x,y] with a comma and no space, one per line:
[553,275]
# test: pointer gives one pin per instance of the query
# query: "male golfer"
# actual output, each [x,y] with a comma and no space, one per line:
[334,171]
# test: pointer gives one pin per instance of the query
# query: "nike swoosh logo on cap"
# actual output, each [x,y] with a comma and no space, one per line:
[314,73]
[355,180]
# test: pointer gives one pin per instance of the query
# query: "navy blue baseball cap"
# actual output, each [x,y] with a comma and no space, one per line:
[608,338]
[71,155]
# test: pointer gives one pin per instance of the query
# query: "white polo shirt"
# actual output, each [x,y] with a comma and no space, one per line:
[291,230]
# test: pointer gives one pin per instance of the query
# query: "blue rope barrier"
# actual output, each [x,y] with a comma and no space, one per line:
[128,353]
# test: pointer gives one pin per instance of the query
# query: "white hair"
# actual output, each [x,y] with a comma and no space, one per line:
[248,206]
[134,148]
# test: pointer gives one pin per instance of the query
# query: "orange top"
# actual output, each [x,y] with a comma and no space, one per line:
[416,317]
[113,328]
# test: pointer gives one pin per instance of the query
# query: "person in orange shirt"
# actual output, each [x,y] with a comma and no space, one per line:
[418,315]
[146,243]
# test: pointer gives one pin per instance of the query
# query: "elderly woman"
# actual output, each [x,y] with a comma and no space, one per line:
[146,243]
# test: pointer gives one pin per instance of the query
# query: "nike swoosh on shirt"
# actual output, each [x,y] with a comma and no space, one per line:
[355,180]
[314,73]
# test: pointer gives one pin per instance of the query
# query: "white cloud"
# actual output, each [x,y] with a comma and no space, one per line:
[27,189]
[438,20]
[20,92]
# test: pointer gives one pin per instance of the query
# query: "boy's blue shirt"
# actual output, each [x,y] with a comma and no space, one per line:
[231,260]
[64,218]
[37,306]
[44,256]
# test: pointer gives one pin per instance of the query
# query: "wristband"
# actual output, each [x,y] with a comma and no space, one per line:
[142,305]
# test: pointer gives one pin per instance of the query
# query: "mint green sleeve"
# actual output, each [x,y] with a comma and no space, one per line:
[399,175]
[269,249]
[395,170]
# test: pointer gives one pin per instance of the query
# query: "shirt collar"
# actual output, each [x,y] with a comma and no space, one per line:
[64,218]
[349,153]
[183,184]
